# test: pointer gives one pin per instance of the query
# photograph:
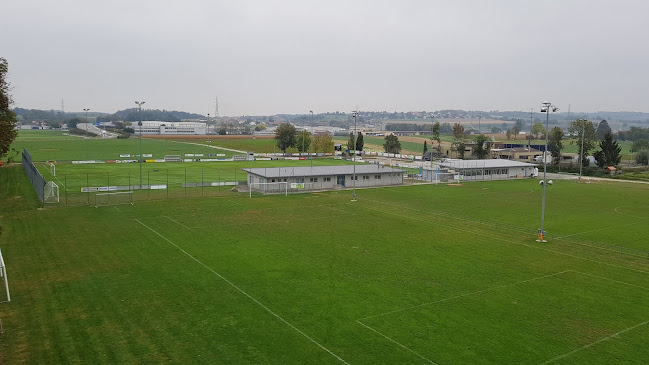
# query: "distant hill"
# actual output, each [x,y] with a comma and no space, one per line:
[128,115]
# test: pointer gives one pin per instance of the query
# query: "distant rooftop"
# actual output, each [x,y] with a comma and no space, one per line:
[479,164]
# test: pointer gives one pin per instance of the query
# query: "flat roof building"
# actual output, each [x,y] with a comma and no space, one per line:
[277,179]
[183,128]
[490,169]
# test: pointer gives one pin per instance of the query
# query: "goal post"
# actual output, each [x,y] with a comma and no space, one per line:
[52,169]
[115,198]
[280,187]
[51,192]
[3,277]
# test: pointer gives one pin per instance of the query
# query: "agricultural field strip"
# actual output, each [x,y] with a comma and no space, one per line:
[595,343]
[360,320]
[244,293]
[523,230]
[395,342]
[501,239]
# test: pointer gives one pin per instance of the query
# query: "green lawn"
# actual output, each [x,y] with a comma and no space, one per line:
[45,145]
[439,274]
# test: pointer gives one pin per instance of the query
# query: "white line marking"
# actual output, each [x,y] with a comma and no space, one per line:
[595,230]
[117,208]
[244,293]
[613,280]
[594,343]
[393,341]
[482,233]
[464,295]
[175,221]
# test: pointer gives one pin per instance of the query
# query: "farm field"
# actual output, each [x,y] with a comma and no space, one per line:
[441,274]
[45,145]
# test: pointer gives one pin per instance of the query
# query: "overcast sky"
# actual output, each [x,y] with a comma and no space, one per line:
[267,57]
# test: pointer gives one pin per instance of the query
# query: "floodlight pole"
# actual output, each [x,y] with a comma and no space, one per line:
[86,110]
[581,151]
[547,106]
[311,144]
[354,115]
[139,106]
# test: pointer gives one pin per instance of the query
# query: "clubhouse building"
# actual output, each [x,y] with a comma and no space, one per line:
[279,179]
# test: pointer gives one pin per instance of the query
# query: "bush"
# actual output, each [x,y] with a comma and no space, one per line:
[642,157]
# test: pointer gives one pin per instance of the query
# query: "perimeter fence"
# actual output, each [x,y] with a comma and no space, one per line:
[34,176]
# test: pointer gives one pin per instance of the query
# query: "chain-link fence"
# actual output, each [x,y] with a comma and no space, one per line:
[35,177]
[151,184]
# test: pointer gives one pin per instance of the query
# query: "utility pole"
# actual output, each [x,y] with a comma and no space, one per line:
[311,111]
[354,115]
[85,110]
[546,108]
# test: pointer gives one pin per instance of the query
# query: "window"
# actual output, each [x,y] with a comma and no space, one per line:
[273,180]
[524,157]
[365,177]
[313,179]
[377,177]
[327,179]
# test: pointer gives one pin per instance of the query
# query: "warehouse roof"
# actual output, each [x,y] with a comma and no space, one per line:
[321,170]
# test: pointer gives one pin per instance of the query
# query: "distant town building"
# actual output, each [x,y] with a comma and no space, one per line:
[171,128]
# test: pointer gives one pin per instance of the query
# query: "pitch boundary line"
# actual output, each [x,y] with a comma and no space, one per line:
[594,343]
[465,295]
[175,221]
[393,341]
[593,230]
[519,243]
[244,293]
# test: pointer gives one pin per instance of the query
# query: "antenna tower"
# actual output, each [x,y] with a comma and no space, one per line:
[62,106]
[216,106]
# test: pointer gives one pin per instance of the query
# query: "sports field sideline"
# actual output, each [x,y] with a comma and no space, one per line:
[419,274]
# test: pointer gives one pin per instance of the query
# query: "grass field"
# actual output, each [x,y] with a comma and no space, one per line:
[45,145]
[440,274]
[72,178]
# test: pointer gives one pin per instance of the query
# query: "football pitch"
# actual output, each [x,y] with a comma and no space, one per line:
[427,274]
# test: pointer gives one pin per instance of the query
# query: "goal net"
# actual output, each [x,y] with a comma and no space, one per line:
[116,198]
[51,192]
[5,282]
[280,187]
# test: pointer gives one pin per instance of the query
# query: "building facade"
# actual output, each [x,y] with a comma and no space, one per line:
[278,179]
[171,128]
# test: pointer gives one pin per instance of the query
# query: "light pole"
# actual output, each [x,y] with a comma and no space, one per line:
[207,125]
[139,106]
[546,108]
[86,110]
[311,145]
[354,115]
[581,151]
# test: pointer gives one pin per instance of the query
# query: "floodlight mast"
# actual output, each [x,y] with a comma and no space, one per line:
[545,108]
[354,115]
[311,145]
[139,106]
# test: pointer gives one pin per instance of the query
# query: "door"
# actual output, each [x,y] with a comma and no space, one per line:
[340,180]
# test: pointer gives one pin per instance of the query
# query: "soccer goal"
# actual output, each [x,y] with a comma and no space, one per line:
[116,198]
[51,192]
[3,277]
[280,187]
[52,169]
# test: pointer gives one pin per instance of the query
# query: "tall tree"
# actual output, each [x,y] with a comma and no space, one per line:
[555,145]
[8,120]
[392,144]
[584,134]
[509,134]
[303,141]
[435,136]
[351,142]
[515,130]
[285,136]
[602,129]
[425,148]
[458,140]
[642,157]
[323,143]
[609,153]
[359,142]
[482,147]
[537,129]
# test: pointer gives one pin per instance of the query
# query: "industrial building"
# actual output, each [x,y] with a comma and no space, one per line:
[170,128]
